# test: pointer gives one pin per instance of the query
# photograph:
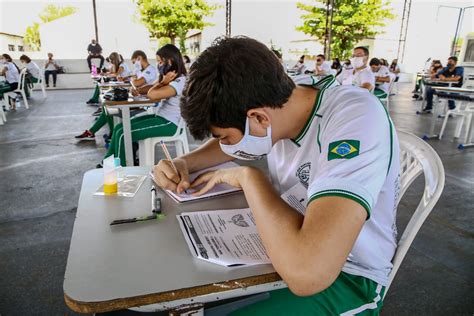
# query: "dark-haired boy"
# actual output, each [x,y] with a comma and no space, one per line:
[334,144]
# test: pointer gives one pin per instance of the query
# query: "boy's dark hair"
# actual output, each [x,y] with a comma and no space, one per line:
[169,52]
[375,62]
[453,58]
[365,49]
[322,56]
[139,53]
[25,58]
[229,78]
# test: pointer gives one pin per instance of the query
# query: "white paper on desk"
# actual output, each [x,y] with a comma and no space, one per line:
[218,190]
[225,237]
[296,197]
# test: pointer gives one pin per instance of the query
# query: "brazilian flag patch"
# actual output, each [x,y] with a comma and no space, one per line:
[343,149]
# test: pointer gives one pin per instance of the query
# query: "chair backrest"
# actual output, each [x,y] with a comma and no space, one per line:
[21,82]
[416,157]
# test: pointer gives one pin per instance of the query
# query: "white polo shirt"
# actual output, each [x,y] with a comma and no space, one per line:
[325,68]
[169,108]
[150,74]
[33,69]
[348,148]
[383,72]
[125,72]
[12,75]
[357,77]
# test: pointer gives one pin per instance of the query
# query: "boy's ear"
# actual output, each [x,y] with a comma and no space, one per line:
[260,115]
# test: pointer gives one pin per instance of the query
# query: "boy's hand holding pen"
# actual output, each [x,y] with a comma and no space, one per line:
[172,174]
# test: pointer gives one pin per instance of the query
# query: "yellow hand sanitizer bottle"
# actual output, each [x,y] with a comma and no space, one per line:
[110,176]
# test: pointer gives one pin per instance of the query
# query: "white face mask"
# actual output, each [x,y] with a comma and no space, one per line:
[137,64]
[250,147]
[357,62]
[3,61]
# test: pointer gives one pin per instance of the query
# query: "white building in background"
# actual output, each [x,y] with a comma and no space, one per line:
[12,44]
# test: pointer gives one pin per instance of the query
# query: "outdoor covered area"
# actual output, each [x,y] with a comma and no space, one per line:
[293,170]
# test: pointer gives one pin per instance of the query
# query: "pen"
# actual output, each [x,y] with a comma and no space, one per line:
[168,156]
[137,219]
[155,202]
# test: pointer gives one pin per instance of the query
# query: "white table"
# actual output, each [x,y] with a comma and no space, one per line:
[461,91]
[118,267]
[124,107]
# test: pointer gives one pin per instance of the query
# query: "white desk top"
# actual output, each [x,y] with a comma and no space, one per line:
[108,263]
[455,89]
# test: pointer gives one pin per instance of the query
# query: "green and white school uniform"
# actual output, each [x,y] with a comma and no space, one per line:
[163,123]
[34,71]
[347,148]
[381,89]
[356,77]
[125,72]
[12,77]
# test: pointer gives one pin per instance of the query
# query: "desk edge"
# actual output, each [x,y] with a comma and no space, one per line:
[142,300]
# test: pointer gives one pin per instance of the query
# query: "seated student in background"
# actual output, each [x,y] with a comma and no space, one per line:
[450,73]
[322,68]
[95,51]
[299,67]
[51,67]
[335,145]
[32,73]
[12,75]
[145,75]
[167,114]
[187,62]
[361,75]
[434,68]
[382,78]
[395,69]
[122,73]
[117,69]
[336,65]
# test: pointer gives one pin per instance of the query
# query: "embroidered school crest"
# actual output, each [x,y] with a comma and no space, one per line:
[303,173]
[343,149]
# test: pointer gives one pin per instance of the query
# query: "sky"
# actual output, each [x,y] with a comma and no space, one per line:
[430,29]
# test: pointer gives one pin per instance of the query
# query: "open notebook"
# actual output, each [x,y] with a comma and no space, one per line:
[218,190]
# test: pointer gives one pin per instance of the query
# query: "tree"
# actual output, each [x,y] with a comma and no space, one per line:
[50,13]
[352,21]
[174,18]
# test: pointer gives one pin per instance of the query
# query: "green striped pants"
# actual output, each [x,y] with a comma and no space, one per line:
[143,127]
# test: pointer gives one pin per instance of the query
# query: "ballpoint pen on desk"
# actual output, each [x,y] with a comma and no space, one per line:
[168,156]
[155,209]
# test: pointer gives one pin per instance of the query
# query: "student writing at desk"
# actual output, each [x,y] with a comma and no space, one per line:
[122,72]
[360,75]
[382,78]
[167,114]
[450,73]
[335,143]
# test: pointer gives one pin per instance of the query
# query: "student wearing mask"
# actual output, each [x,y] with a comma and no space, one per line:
[322,68]
[168,91]
[51,67]
[139,59]
[450,73]
[299,67]
[95,51]
[12,75]
[145,73]
[395,69]
[434,68]
[32,73]
[382,78]
[360,75]
[334,145]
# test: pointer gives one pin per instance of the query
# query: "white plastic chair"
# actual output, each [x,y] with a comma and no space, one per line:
[3,117]
[416,157]
[464,111]
[146,147]
[21,88]
[41,81]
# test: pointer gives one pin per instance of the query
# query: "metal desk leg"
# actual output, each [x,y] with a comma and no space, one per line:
[434,117]
[467,140]
[127,136]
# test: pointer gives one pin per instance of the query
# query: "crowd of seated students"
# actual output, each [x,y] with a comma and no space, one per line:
[163,83]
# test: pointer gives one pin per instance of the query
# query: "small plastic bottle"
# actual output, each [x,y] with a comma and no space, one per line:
[110,176]
[118,169]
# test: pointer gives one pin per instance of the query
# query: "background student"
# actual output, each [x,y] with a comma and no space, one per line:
[323,68]
[187,62]
[149,75]
[12,75]
[51,67]
[382,78]
[167,115]
[95,51]
[360,75]
[146,73]
[450,73]
[32,73]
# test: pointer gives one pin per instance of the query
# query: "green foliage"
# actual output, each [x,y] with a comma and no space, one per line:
[174,18]
[32,37]
[53,12]
[353,20]
[50,13]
